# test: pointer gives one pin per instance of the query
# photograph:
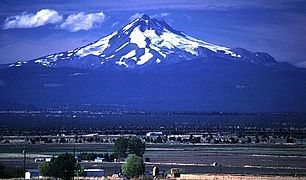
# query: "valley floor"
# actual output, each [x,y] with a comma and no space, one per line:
[249,160]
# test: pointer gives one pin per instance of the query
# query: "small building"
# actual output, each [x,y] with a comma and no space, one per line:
[94,172]
[150,134]
[27,175]
[98,159]
[39,160]
[32,173]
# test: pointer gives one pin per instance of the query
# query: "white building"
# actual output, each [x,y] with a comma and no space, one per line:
[98,159]
[149,134]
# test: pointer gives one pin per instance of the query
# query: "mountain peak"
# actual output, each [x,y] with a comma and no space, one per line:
[144,41]
[147,23]
[145,17]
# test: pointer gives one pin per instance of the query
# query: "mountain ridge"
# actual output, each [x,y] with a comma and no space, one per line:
[142,42]
[217,79]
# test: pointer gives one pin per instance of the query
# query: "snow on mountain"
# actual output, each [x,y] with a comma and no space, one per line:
[142,42]
[211,78]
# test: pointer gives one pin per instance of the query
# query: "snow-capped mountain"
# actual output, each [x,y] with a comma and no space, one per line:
[150,66]
[143,41]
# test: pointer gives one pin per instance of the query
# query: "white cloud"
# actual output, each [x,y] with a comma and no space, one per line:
[28,20]
[73,23]
[83,21]
[136,16]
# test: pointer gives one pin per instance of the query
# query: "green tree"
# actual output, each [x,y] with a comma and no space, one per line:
[64,166]
[81,171]
[136,146]
[120,147]
[133,166]
[46,168]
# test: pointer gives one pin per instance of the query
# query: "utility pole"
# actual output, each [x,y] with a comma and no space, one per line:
[74,158]
[24,159]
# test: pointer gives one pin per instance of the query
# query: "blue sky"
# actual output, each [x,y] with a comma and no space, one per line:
[34,28]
